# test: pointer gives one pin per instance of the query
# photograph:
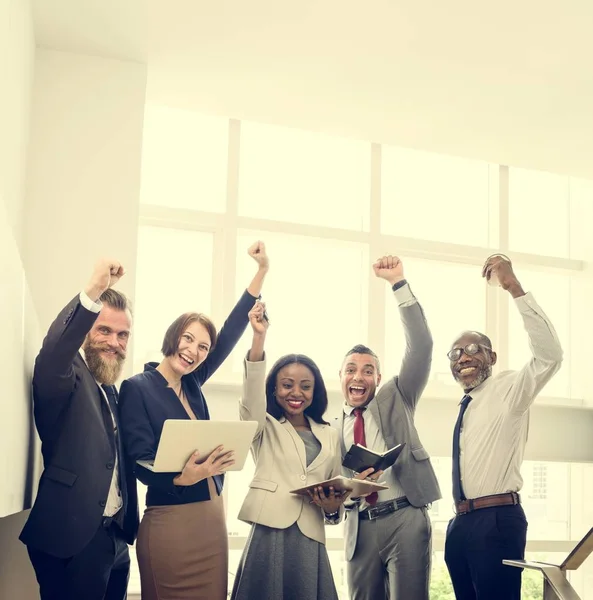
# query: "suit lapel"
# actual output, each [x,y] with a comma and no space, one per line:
[373,408]
[389,430]
[99,399]
[340,427]
[298,442]
[322,433]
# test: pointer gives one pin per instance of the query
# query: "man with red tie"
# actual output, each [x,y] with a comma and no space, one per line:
[388,535]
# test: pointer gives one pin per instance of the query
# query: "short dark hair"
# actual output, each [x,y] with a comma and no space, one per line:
[362,349]
[116,300]
[319,404]
[179,325]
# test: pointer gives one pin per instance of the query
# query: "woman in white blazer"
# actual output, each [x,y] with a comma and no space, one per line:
[285,556]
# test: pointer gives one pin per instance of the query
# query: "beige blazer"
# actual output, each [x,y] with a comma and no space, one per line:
[281,466]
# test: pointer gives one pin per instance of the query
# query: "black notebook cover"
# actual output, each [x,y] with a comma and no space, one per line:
[359,459]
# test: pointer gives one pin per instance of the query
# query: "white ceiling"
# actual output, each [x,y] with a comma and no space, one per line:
[510,81]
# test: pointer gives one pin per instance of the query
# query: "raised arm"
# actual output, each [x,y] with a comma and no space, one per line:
[415,367]
[53,375]
[253,399]
[236,322]
[547,353]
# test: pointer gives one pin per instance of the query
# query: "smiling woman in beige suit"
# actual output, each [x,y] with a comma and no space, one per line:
[285,557]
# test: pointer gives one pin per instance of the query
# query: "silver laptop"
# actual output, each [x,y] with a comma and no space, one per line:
[181,437]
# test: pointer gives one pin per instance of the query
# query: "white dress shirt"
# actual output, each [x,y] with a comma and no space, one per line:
[114,499]
[372,434]
[376,443]
[496,422]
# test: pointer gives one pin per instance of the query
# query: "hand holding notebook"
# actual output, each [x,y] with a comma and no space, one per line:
[359,458]
[341,485]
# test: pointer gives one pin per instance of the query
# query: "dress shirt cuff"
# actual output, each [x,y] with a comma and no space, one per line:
[526,303]
[404,296]
[89,304]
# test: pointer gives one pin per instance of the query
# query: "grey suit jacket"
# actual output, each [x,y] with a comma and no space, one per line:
[393,409]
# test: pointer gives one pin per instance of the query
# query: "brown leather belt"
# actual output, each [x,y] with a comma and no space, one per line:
[467,506]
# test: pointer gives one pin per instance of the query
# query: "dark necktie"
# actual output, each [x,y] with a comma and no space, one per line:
[457,487]
[360,438]
[111,425]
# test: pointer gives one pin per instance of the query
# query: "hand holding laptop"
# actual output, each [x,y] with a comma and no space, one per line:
[199,467]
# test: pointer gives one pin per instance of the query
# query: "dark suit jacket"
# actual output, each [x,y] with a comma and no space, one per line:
[147,402]
[78,449]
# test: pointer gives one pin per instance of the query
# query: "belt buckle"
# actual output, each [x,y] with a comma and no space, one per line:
[467,508]
[373,513]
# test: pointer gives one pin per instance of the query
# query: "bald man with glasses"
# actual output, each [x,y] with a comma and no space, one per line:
[488,445]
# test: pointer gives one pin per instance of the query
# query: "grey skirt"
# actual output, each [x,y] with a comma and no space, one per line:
[283,564]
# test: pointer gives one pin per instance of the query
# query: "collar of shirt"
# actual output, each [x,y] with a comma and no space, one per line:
[479,390]
[349,409]
[81,351]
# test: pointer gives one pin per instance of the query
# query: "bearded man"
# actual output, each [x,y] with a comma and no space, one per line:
[86,510]
[488,446]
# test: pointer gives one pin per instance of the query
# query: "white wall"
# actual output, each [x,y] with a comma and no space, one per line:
[84,173]
[16,73]
[17,50]
[74,135]
[17,319]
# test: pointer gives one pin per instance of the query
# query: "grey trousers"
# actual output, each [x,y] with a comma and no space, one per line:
[393,557]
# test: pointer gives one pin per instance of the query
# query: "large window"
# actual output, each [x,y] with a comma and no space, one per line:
[433,197]
[533,228]
[174,275]
[301,177]
[184,160]
[317,301]
[453,296]
[211,186]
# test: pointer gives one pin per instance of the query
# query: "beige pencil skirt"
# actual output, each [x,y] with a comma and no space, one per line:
[183,551]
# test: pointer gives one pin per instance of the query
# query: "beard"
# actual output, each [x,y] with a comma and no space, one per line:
[482,375]
[104,371]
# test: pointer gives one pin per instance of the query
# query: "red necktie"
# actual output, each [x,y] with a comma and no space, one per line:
[359,438]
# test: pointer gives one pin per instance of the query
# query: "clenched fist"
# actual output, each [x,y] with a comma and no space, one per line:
[498,268]
[106,274]
[257,251]
[389,268]
[257,318]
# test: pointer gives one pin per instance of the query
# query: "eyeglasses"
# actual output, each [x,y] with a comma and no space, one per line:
[470,350]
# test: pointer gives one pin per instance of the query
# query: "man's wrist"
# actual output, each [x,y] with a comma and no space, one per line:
[398,283]
[515,290]
[93,292]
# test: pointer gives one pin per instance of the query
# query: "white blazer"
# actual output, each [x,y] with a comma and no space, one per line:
[281,465]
